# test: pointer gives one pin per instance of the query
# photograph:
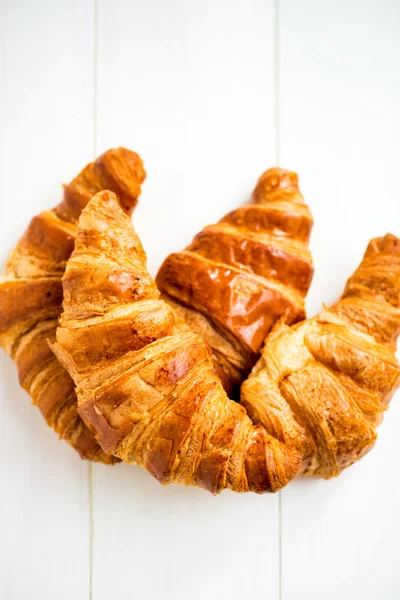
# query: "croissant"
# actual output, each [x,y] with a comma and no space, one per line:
[147,389]
[31,294]
[321,386]
[145,381]
[238,277]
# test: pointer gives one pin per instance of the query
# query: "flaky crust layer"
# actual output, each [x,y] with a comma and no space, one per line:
[31,294]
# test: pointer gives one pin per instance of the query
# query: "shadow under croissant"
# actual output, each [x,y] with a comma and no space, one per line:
[146,386]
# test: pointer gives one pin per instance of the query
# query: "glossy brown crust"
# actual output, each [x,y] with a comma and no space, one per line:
[321,386]
[255,304]
[119,170]
[273,260]
[244,273]
[31,294]
[148,391]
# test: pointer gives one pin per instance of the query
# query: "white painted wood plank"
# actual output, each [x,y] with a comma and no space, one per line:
[47,136]
[190,86]
[340,128]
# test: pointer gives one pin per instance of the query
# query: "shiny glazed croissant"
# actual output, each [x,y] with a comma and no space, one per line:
[145,382]
[239,276]
[31,294]
[322,386]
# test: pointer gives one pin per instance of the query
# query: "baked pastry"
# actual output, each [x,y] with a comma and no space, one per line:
[322,386]
[145,381]
[31,294]
[239,276]
[146,386]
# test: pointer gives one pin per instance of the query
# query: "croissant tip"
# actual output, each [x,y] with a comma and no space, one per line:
[280,173]
[388,243]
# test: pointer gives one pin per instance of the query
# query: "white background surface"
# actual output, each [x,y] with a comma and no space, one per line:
[210,94]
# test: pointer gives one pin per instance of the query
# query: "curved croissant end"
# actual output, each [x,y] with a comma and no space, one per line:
[31,294]
[239,276]
[145,382]
[322,386]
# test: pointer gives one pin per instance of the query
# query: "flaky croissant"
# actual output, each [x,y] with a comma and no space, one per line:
[321,386]
[31,294]
[238,277]
[145,381]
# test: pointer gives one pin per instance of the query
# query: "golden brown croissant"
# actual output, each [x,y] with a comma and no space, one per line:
[238,277]
[147,389]
[31,293]
[322,386]
[145,381]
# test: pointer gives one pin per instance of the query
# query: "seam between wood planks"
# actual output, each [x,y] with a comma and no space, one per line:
[95,143]
[277,124]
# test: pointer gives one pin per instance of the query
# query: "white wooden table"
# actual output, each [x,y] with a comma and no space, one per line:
[210,93]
